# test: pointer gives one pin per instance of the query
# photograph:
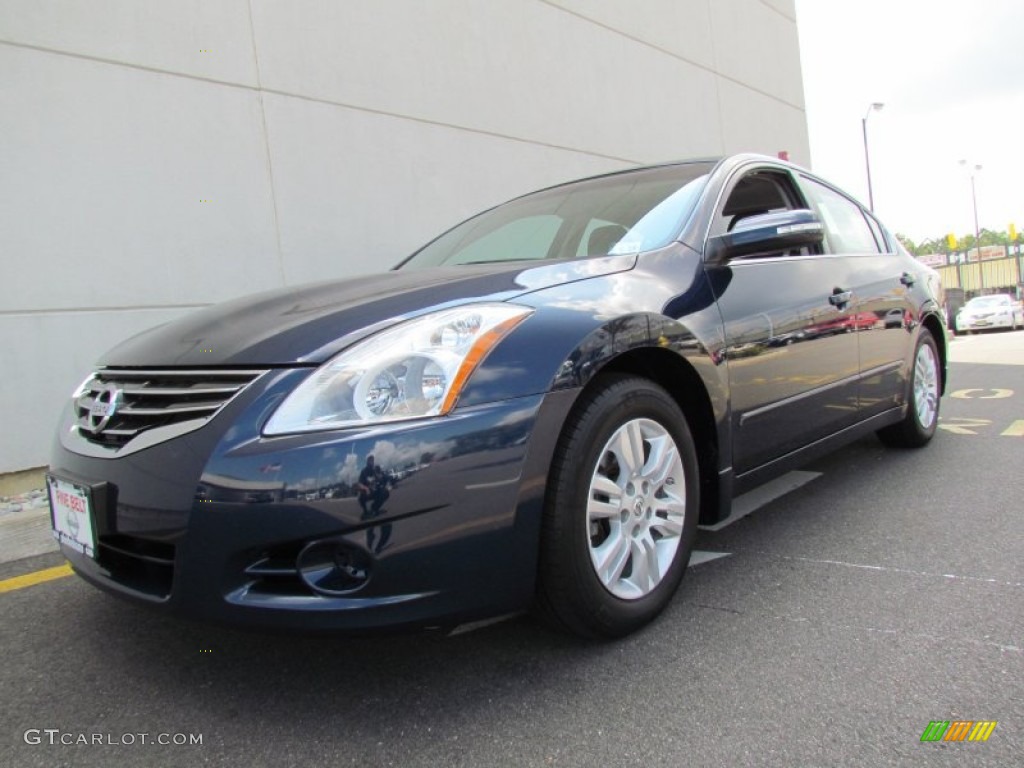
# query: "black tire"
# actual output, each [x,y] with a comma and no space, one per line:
[916,430]
[571,595]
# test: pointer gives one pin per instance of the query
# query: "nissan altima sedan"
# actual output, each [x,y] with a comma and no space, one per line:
[535,410]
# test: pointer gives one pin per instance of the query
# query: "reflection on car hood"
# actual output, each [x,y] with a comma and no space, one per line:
[308,324]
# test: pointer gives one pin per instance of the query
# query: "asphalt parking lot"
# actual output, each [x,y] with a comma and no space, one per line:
[829,626]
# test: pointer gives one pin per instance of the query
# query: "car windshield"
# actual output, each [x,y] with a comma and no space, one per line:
[616,214]
[983,302]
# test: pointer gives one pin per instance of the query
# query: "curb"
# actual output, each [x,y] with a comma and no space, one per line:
[33,499]
[26,533]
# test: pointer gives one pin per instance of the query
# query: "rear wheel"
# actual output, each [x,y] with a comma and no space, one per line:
[621,512]
[922,418]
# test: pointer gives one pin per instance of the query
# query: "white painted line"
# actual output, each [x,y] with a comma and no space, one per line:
[763,494]
[699,556]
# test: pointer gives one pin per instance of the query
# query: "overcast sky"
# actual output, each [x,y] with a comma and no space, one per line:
[951,76]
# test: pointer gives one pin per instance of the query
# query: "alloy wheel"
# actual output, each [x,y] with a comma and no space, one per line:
[636,508]
[926,385]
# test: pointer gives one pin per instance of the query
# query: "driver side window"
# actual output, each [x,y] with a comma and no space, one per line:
[758,192]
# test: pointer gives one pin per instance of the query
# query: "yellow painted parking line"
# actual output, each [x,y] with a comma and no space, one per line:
[1014,430]
[963,426]
[36,577]
[997,394]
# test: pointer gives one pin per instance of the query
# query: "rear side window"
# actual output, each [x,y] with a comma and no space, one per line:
[845,225]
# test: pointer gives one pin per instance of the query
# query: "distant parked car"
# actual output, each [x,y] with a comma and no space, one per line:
[896,318]
[983,313]
[564,385]
[848,323]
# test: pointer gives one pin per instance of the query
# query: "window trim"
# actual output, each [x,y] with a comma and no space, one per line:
[879,249]
[794,193]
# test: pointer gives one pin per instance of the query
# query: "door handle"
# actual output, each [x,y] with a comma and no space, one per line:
[840,297]
[907,279]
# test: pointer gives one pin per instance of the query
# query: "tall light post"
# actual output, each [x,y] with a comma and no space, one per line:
[875,107]
[974,201]
[973,169]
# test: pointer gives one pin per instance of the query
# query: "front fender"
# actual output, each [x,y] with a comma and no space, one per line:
[666,303]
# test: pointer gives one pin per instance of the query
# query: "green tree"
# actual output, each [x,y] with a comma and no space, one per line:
[908,244]
[988,237]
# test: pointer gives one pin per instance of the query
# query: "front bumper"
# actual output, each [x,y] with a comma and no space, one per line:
[983,324]
[226,526]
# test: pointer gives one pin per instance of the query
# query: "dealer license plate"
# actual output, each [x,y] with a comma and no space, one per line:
[72,515]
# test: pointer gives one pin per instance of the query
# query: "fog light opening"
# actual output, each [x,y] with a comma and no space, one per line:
[333,567]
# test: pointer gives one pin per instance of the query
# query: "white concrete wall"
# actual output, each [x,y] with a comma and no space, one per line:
[159,156]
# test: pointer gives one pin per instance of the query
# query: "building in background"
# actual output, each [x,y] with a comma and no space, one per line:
[989,269]
[158,157]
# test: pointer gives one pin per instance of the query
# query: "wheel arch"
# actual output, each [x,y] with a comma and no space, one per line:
[681,380]
[934,324]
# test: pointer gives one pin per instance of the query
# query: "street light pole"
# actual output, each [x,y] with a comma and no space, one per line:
[875,107]
[974,203]
[977,229]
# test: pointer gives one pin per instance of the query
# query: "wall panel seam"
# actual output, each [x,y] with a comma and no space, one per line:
[778,10]
[672,54]
[266,150]
[321,100]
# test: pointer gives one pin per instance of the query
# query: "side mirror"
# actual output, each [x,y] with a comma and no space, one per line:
[767,233]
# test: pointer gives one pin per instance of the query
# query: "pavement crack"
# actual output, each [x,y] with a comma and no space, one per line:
[890,569]
[719,608]
[1003,647]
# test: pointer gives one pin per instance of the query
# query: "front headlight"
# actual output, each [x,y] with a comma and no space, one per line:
[417,368]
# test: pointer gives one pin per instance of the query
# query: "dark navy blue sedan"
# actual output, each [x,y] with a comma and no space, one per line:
[535,410]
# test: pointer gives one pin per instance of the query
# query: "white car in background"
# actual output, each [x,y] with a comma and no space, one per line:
[984,312]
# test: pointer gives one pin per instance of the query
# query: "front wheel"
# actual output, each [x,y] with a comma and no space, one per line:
[621,510]
[922,418]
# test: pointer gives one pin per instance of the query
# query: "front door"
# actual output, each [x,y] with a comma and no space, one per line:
[790,326]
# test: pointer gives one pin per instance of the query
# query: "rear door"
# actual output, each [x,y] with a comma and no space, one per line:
[883,311]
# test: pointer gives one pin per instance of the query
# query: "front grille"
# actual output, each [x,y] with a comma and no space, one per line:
[118,405]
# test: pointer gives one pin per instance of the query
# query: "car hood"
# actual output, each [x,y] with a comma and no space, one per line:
[308,324]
